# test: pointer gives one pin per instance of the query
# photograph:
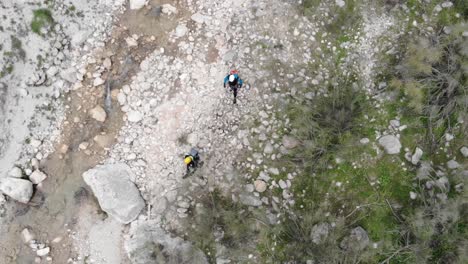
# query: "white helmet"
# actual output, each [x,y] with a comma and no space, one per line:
[232,78]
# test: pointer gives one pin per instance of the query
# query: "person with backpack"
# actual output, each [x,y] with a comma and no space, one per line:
[191,160]
[234,82]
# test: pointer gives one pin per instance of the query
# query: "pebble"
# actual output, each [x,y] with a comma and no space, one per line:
[43,252]
[26,236]
[260,186]
[98,81]
[283,184]
[134,116]
[464,152]
[98,113]
[364,141]
[37,177]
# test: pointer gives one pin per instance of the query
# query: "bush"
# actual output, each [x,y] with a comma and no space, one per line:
[217,222]
[435,78]
[41,18]
[321,123]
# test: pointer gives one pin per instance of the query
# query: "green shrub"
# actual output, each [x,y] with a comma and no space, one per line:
[218,214]
[41,18]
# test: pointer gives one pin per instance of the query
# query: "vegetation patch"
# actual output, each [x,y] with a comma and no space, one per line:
[41,18]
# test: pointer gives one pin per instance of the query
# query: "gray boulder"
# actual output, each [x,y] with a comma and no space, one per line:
[464,152]
[416,156]
[357,240]
[290,142]
[320,232]
[390,143]
[148,243]
[18,189]
[452,164]
[249,200]
[116,193]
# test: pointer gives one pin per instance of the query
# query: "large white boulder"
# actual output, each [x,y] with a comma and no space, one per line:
[148,243]
[116,193]
[390,143]
[18,189]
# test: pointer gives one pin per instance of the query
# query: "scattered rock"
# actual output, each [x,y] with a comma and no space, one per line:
[131,42]
[134,116]
[260,186]
[391,144]
[107,63]
[249,188]
[449,137]
[37,177]
[283,184]
[26,236]
[57,240]
[464,152]
[364,141]
[116,193]
[320,232]
[35,163]
[192,139]
[452,164]
[168,9]
[357,240]
[35,142]
[340,3]
[198,18]
[83,145]
[416,156]
[104,141]
[447,4]
[290,142]
[274,171]
[121,98]
[18,189]
[79,37]
[395,123]
[98,81]
[268,148]
[184,204]
[263,176]
[63,148]
[15,172]
[98,113]
[249,200]
[148,243]
[181,30]
[43,252]
[413,195]
[137,4]
[131,156]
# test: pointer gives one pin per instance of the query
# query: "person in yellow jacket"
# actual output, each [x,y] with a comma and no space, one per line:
[191,160]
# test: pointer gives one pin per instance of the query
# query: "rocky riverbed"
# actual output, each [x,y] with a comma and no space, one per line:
[100,100]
